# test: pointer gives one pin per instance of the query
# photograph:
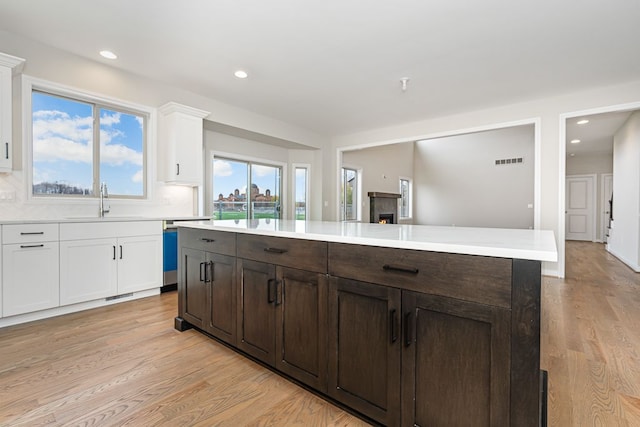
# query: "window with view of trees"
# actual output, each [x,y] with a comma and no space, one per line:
[245,190]
[349,195]
[405,198]
[77,144]
[301,193]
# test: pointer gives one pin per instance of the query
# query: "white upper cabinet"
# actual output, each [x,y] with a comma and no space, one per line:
[8,65]
[180,144]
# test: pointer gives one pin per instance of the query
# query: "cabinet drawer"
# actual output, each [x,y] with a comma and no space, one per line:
[485,280]
[28,233]
[220,242]
[308,255]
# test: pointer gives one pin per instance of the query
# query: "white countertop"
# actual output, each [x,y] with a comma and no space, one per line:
[107,218]
[537,245]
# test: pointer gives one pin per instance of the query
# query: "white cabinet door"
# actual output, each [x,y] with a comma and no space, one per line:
[88,270]
[5,119]
[180,144]
[139,263]
[30,277]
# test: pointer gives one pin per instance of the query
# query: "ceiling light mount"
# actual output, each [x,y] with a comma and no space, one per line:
[582,122]
[108,54]
[403,83]
[241,74]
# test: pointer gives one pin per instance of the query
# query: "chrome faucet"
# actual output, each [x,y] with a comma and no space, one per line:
[104,194]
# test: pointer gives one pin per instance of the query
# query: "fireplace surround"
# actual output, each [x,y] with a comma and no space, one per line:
[383,207]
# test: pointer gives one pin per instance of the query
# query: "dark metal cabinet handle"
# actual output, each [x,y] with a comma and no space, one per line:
[393,325]
[211,272]
[408,331]
[270,298]
[31,246]
[202,272]
[6,150]
[390,267]
[275,250]
[177,168]
[31,233]
[204,239]
[120,251]
[114,252]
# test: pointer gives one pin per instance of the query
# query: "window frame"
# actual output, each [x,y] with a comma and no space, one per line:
[294,189]
[31,84]
[209,197]
[342,191]
[409,197]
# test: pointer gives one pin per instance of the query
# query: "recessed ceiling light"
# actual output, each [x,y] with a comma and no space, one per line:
[108,54]
[241,74]
[582,122]
[572,154]
[575,141]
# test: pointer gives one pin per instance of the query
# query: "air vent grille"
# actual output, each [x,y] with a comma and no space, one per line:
[512,161]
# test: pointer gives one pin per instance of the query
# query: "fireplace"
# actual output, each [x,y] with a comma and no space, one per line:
[383,207]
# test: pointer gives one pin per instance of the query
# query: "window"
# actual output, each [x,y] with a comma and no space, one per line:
[232,178]
[301,182]
[77,144]
[349,195]
[405,198]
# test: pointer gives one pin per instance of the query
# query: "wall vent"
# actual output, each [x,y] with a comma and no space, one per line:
[512,161]
[130,294]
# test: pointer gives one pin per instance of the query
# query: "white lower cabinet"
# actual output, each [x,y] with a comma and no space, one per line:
[30,277]
[30,280]
[139,263]
[101,260]
[88,270]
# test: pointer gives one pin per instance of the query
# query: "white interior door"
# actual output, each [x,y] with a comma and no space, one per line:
[607,190]
[580,208]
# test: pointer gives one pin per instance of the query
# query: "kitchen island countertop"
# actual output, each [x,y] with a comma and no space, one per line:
[536,245]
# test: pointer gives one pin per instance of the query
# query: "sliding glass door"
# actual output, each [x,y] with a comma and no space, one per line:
[245,190]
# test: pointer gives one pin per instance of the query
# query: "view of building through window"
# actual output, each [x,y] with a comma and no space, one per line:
[232,179]
[77,144]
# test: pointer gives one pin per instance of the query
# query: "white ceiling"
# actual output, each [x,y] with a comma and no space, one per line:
[595,136]
[334,67]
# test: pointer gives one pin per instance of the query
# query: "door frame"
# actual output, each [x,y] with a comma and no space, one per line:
[603,205]
[594,202]
[562,167]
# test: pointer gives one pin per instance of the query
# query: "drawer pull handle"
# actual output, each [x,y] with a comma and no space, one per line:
[275,250]
[408,334]
[31,233]
[389,267]
[204,239]
[31,246]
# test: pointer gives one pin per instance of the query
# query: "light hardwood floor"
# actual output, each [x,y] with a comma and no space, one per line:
[126,365]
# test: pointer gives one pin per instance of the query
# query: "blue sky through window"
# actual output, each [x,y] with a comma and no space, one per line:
[63,147]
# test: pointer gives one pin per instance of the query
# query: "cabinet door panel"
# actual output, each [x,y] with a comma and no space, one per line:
[256,312]
[222,297]
[301,326]
[139,263]
[88,270]
[364,348]
[454,367]
[193,291]
[30,278]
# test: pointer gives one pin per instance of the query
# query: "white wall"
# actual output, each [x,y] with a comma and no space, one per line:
[96,77]
[547,110]
[458,183]
[625,238]
[593,164]
[381,168]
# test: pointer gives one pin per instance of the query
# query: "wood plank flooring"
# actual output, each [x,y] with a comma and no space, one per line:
[591,340]
[125,365]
